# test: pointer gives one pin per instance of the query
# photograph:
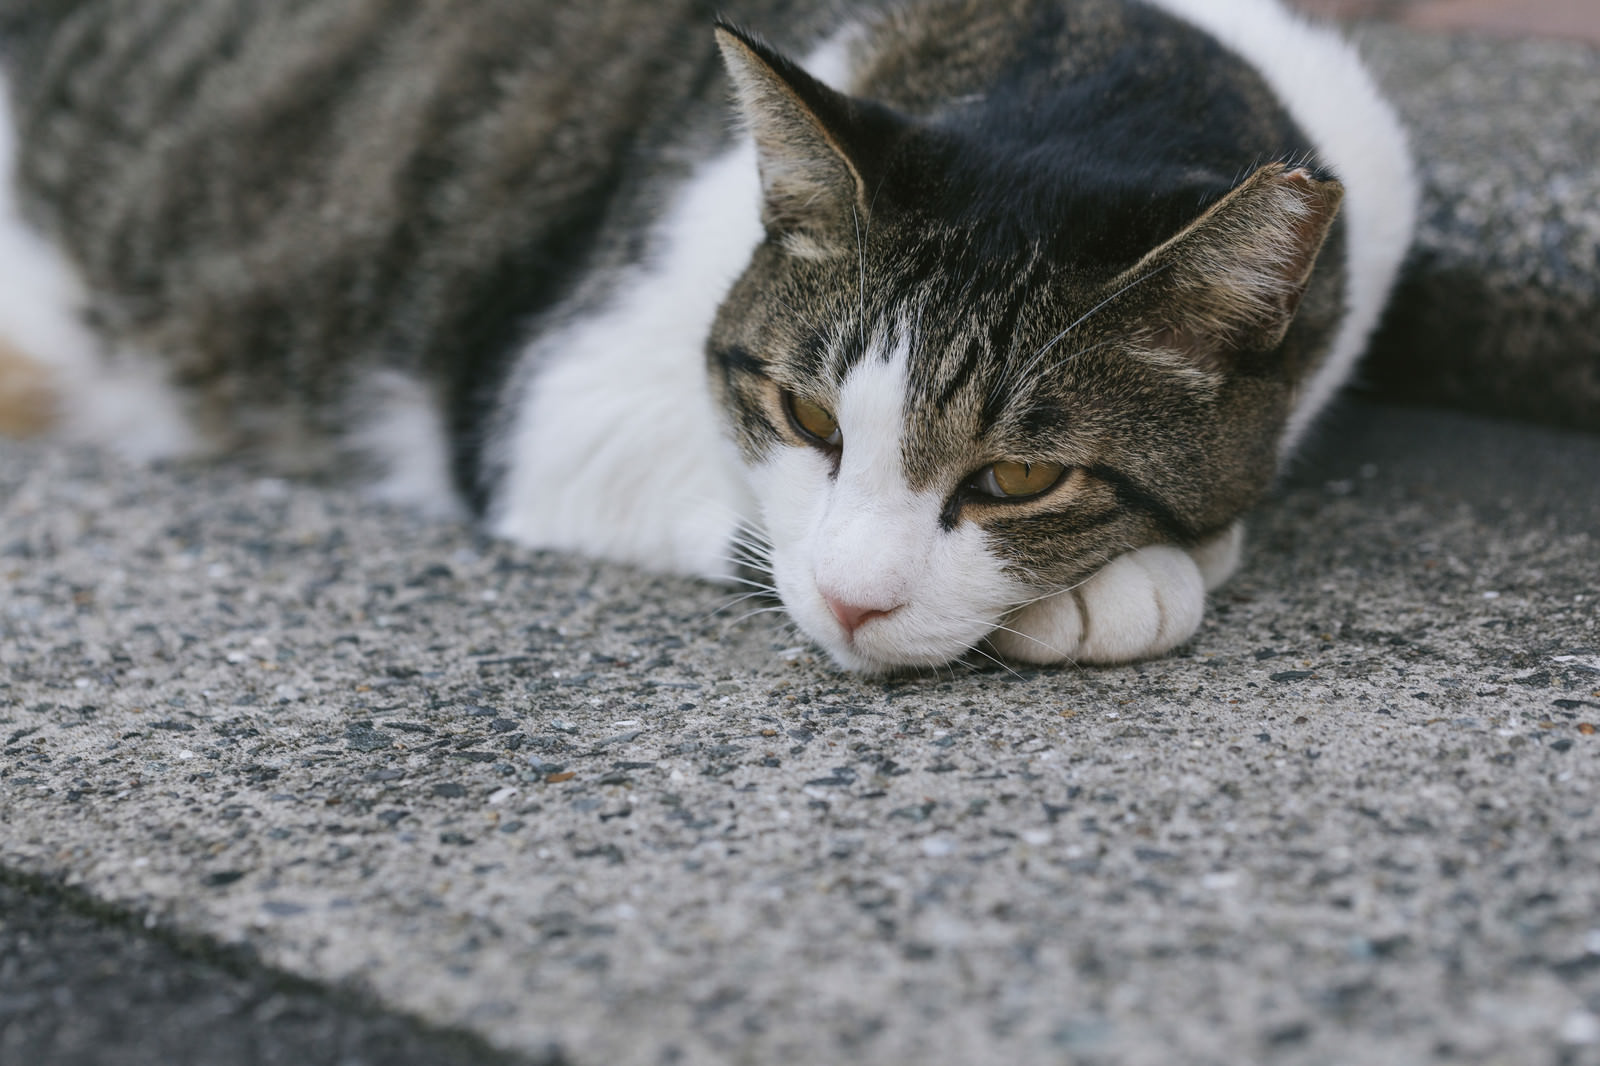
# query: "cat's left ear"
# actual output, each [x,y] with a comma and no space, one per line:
[811,146]
[1231,282]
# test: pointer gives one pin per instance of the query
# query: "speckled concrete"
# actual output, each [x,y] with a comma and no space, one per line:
[1499,310]
[590,816]
[81,987]
[564,804]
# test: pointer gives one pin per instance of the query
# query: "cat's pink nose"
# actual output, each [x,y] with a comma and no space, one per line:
[852,615]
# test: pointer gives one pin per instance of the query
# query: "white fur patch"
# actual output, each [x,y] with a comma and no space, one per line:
[1322,82]
[615,447]
[124,401]
[117,399]
[864,538]
[1219,557]
[1139,605]
[399,429]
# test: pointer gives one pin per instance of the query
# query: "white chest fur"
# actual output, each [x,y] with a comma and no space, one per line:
[614,446]
[1322,83]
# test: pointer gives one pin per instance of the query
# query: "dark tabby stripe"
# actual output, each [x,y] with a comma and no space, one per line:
[278,196]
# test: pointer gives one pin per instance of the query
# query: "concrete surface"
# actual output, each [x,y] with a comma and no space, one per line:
[1570,19]
[1499,308]
[577,811]
[288,779]
[84,986]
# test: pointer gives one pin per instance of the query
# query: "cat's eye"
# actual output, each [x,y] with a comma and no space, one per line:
[1014,481]
[814,420]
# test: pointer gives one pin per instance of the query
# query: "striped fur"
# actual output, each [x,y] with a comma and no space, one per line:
[512,256]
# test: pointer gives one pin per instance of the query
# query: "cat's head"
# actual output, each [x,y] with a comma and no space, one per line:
[949,404]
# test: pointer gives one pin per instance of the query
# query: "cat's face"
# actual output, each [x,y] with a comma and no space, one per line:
[941,425]
[931,450]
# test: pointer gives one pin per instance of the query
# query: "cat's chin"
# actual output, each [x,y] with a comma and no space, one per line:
[881,655]
[930,632]
[867,666]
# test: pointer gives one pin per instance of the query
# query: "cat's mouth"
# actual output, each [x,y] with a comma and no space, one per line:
[915,608]
[903,638]
[853,656]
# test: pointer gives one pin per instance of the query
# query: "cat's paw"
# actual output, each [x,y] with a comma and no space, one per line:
[1138,606]
[27,400]
[1219,557]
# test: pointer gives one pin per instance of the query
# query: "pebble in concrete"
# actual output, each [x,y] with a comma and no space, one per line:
[564,804]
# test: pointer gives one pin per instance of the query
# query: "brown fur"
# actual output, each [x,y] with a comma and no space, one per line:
[1097,229]
[27,400]
[1161,374]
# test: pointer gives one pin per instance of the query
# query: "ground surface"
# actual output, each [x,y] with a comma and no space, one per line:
[82,986]
[1579,19]
[569,807]
[288,780]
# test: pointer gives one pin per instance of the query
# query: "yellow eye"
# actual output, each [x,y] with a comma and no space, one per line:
[1010,480]
[815,421]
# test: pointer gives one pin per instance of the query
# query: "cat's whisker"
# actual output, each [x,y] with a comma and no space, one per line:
[751,614]
[730,623]
[758,554]
[1065,657]
[752,577]
[752,588]
[752,547]
[747,532]
[1023,636]
[1041,597]
[1017,379]
[1096,309]
[977,649]
[734,601]
[976,646]
[861,257]
[753,583]
[1108,555]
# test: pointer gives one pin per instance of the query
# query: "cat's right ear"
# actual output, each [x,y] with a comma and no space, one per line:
[814,182]
[1230,283]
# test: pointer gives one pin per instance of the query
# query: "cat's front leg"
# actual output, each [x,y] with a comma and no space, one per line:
[1138,606]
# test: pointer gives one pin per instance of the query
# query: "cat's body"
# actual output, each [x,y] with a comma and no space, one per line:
[1000,356]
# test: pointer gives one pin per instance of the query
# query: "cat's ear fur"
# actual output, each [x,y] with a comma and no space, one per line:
[1230,283]
[814,178]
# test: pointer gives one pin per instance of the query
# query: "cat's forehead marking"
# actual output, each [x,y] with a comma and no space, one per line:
[871,411]
[958,386]
[912,402]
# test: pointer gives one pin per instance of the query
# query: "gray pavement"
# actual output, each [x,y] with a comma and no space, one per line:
[574,810]
[82,985]
[289,778]
[1499,307]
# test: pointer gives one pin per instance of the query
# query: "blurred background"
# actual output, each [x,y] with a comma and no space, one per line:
[1568,18]
[1499,308]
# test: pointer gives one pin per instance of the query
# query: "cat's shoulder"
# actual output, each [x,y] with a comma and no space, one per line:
[1320,79]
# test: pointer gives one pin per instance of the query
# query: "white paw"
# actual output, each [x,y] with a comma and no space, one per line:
[1219,557]
[1140,605]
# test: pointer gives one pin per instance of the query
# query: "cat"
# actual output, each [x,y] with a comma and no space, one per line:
[978,335]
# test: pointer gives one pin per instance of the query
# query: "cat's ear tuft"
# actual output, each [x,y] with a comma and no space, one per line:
[814,193]
[1231,282]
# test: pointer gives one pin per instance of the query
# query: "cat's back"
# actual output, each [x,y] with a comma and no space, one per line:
[278,197]
[271,194]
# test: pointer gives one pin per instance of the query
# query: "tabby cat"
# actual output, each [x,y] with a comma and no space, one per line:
[980,333]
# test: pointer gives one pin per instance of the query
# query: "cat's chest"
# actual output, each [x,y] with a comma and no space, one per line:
[609,439]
